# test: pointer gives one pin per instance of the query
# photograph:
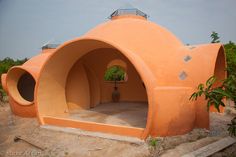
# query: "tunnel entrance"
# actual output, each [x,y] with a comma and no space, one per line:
[220,74]
[25,86]
[21,86]
[72,91]
[90,96]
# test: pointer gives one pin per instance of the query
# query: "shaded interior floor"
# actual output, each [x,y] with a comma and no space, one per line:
[122,113]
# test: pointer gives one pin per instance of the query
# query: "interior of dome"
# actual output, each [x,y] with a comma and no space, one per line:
[82,98]
[89,96]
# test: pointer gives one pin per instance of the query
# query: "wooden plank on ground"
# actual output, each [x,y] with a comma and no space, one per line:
[212,148]
[30,141]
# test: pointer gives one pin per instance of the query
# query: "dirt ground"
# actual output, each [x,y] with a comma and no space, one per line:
[60,144]
[200,138]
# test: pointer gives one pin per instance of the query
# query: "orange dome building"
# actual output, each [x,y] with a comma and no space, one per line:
[65,86]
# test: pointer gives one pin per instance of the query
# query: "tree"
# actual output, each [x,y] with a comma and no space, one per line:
[215,37]
[5,65]
[114,73]
[225,89]
[215,96]
[230,51]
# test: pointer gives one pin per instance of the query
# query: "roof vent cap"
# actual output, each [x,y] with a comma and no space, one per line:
[50,46]
[128,11]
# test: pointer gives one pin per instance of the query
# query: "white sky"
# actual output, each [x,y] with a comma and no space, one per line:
[25,25]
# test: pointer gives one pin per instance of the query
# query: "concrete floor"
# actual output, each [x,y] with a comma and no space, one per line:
[122,113]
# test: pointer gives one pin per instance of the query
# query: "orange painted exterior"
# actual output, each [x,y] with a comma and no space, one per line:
[161,70]
[19,105]
[3,82]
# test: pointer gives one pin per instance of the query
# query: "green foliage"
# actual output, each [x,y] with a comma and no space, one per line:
[5,65]
[114,73]
[153,142]
[215,37]
[229,85]
[226,88]
[232,127]
[230,51]
[214,96]
[2,93]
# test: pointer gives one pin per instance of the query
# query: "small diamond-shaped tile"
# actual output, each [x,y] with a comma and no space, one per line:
[183,75]
[187,58]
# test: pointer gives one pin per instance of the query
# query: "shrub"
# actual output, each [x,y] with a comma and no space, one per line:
[114,73]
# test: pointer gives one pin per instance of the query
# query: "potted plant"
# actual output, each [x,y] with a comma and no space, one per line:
[115,74]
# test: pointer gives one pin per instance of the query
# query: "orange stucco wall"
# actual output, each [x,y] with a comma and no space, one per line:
[220,74]
[19,105]
[181,116]
[71,76]
[77,88]
[3,82]
[94,87]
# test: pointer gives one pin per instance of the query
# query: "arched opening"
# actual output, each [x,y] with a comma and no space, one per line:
[117,62]
[71,82]
[91,98]
[21,85]
[220,66]
[220,73]
[26,86]
[115,74]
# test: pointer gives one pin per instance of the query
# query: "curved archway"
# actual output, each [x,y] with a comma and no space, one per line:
[21,85]
[53,78]
[220,64]
[131,107]
[117,62]
[220,73]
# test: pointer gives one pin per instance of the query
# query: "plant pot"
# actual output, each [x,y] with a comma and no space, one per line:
[115,95]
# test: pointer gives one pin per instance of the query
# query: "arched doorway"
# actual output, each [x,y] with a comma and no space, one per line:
[89,96]
[51,92]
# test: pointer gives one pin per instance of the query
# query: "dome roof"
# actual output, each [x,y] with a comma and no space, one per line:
[132,27]
[151,42]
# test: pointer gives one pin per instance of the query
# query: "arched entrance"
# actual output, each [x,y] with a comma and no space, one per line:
[89,96]
[53,93]
[21,85]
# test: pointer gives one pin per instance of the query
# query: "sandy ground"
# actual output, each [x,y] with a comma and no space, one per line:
[218,130]
[60,144]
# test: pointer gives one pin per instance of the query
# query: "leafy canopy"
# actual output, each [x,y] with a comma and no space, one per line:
[114,73]
[215,37]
